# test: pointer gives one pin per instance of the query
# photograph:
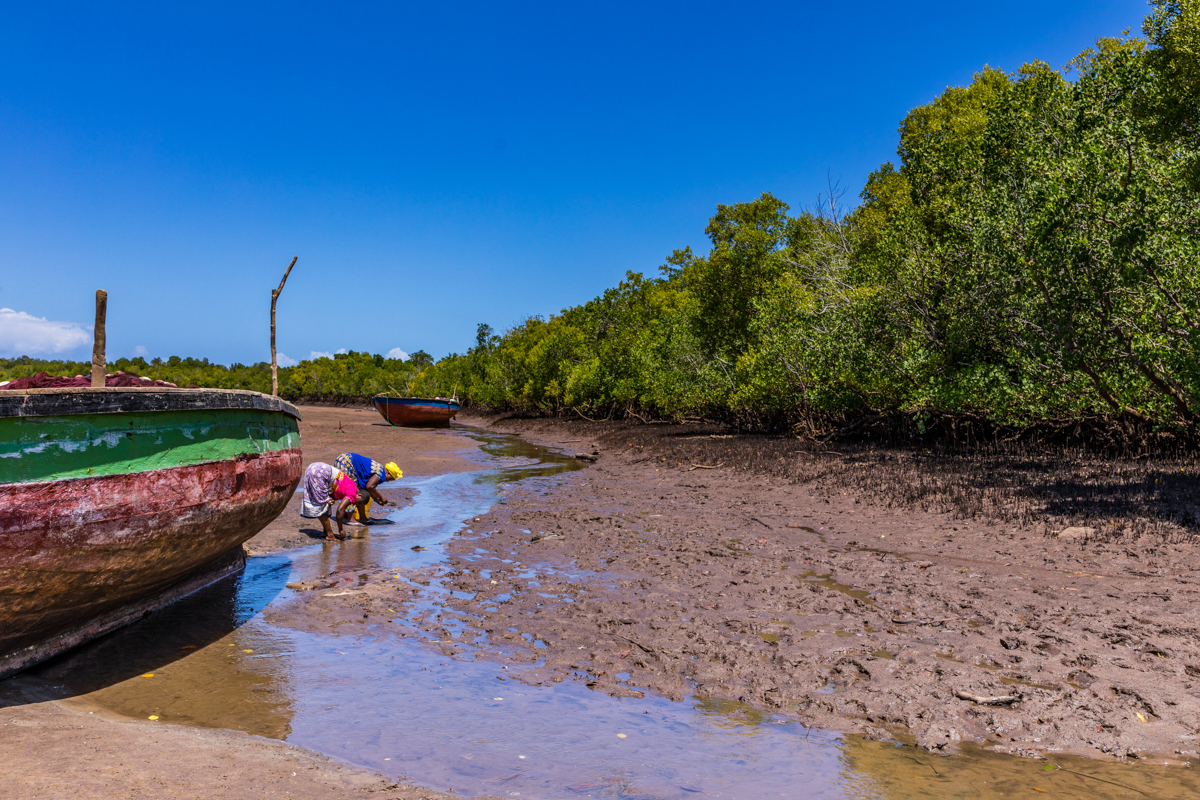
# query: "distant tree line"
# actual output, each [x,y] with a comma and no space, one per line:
[345,374]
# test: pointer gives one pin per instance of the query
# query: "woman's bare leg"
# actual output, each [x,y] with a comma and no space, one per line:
[325,524]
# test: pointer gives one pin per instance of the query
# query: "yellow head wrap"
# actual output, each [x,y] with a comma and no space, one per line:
[393,472]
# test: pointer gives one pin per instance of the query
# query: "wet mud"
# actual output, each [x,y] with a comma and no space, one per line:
[641,576]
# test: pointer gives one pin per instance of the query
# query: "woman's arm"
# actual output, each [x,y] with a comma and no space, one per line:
[340,513]
[371,490]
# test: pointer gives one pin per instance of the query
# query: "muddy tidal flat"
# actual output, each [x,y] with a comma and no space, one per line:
[578,612]
[637,574]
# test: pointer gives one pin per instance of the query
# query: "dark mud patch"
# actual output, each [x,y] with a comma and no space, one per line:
[1047,483]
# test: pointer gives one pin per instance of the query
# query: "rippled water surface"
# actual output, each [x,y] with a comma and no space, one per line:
[410,712]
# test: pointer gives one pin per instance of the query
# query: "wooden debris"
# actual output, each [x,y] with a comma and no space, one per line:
[1002,700]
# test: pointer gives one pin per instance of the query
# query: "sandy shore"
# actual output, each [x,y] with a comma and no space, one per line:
[811,601]
[61,750]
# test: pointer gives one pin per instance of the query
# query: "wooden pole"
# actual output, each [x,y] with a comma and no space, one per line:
[274,297]
[98,363]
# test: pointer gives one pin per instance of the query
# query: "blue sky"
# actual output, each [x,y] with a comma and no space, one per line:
[433,165]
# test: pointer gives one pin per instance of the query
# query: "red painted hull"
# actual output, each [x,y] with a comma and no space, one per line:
[74,551]
[416,416]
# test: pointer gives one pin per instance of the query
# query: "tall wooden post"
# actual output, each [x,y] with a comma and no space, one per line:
[274,297]
[98,363]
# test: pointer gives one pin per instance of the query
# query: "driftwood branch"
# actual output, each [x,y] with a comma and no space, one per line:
[1003,700]
[98,361]
[275,297]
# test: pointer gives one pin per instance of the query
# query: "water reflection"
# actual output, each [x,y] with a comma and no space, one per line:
[188,662]
[453,725]
[883,771]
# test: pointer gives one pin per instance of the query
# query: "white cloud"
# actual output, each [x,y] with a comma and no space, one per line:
[24,335]
[315,354]
[285,360]
[140,351]
[396,352]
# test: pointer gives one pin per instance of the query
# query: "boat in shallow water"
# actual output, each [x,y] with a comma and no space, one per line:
[416,412]
[117,501]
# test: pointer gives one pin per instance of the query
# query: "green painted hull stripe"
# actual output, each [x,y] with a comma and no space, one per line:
[56,448]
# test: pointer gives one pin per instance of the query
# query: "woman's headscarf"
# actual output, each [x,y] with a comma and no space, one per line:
[393,471]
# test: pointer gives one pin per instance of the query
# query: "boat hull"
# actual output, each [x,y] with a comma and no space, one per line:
[107,516]
[416,412]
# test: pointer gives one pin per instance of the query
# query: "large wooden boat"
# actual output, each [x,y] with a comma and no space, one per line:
[117,501]
[416,412]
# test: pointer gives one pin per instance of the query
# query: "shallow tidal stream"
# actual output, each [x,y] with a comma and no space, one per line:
[402,708]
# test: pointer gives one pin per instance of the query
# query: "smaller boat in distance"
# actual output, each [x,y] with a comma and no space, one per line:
[416,412]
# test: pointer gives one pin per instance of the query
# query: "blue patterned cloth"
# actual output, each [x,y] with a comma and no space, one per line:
[360,468]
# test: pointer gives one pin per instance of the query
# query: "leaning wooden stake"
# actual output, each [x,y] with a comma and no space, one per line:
[274,297]
[98,363]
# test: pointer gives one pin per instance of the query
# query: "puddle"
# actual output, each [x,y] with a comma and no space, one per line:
[881,770]
[829,583]
[406,710]
[807,529]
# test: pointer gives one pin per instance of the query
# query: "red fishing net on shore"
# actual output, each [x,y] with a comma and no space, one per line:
[43,381]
